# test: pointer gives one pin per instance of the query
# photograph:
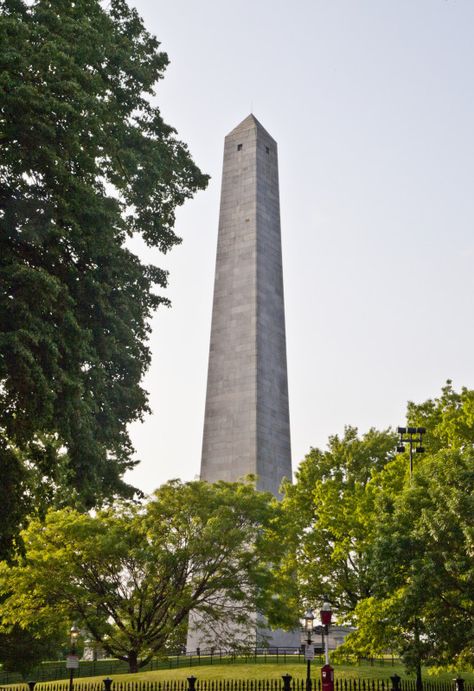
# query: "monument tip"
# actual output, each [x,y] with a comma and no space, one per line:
[250,122]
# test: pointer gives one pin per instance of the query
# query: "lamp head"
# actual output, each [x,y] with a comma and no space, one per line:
[326,614]
[308,620]
[74,633]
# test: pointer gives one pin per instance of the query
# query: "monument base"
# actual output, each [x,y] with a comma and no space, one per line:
[207,638]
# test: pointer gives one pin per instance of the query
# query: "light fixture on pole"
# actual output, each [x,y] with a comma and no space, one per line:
[326,616]
[72,660]
[413,436]
[327,672]
[308,630]
[308,622]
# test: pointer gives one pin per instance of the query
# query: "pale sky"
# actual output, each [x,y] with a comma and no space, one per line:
[372,105]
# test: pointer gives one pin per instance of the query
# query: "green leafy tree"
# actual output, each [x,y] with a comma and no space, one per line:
[331,510]
[86,162]
[132,575]
[21,651]
[423,565]
[448,419]
[14,500]
[394,554]
[423,556]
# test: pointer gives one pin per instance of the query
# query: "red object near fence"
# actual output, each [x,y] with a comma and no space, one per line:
[327,678]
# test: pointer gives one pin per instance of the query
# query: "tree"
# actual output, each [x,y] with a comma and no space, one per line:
[14,500]
[20,651]
[87,162]
[331,510]
[423,556]
[423,565]
[449,419]
[131,575]
[393,553]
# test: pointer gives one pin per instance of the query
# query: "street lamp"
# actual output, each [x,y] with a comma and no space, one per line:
[327,672]
[308,623]
[413,436]
[72,661]
[74,632]
[308,630]
[326,616]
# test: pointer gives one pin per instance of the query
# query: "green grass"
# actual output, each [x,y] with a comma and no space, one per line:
[245,670]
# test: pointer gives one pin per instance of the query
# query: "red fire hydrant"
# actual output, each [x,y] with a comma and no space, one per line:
[327,678]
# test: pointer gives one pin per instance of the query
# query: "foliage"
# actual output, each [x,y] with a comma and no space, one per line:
[131,575]
[423,553]
[424,562]
[394,554]
[14,501]
[449,419]
[87,162]
[331,509]
[20,651]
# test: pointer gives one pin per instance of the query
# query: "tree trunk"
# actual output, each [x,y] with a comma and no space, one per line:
[132,662]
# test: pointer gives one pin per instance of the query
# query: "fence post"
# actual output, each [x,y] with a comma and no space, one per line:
[31,685]
[287,681]
[459,684]
[192,683]
[395,682]
[108,683]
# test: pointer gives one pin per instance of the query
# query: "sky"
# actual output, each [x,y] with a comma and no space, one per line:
[372,105]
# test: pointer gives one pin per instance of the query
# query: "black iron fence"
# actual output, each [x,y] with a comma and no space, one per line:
[51,671]
[286,683]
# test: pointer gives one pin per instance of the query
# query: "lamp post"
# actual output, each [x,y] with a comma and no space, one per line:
[326,616]
[327,672]
[308,630]
[413,436]
[72,661]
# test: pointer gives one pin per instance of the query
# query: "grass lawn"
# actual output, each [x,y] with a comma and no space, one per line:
[269,670]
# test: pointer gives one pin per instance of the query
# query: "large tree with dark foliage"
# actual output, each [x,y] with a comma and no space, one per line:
[86,163]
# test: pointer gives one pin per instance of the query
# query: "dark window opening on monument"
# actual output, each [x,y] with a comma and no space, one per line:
[239,147]
[267,149]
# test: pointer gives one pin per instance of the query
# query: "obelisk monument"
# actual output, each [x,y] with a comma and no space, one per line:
[246,425]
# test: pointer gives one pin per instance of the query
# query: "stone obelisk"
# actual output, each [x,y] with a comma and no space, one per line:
[246,426]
